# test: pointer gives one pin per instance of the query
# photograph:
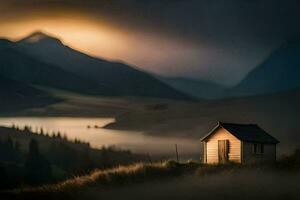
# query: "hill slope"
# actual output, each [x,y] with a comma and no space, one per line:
[279,72]
[23,68]
[16,96]
[196,88]
[123,80]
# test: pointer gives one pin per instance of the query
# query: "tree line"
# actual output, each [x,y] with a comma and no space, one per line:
[28,158]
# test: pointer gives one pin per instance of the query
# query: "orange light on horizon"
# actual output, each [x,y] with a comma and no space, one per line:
[141,48]
[81,34]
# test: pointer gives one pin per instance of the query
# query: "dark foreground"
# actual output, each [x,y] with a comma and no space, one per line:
[172,180]
[245,184]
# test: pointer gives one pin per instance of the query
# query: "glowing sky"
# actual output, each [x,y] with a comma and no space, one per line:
[207,39]
[144,50]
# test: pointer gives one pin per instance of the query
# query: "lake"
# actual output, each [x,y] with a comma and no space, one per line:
[135,141]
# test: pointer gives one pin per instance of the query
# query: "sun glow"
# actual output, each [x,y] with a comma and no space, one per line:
[79,33]
[96,37]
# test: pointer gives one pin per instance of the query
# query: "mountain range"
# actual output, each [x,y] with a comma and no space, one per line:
[279,72]
[21,67]
[112,78]
[43,60]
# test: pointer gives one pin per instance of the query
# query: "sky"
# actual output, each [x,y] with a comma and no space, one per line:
[217,40]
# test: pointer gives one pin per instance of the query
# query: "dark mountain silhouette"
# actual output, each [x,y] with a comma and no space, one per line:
[15,96]
[4,43]
[122,79]
[196,88]
[21,67]
[39,36]
[279,72]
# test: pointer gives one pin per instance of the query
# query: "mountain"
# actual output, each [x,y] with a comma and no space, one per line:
[18,66]
[4,43]
[15,96]
[279,72]
[196,88]
[122,79]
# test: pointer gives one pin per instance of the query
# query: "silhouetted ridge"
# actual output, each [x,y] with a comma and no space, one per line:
[119,79]
[279,72]
[15,96]
[18,66]
[38,36]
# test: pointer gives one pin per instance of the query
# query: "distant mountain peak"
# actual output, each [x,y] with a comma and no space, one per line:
[39,36]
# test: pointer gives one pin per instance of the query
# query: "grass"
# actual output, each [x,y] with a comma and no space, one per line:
[122,175]
[149,173]
[239,183]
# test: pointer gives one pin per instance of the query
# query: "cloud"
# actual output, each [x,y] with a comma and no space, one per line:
[214,34]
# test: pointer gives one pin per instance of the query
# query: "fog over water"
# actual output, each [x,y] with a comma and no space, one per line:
[136,141]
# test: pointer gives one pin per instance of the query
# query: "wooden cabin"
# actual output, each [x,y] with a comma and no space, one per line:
[239,143]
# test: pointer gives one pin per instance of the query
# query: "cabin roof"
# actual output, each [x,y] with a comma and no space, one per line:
[246,133]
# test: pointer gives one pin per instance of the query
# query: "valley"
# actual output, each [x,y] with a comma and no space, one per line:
[277,113]
[139,99]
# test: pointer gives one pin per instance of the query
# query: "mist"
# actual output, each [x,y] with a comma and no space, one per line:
[242,184]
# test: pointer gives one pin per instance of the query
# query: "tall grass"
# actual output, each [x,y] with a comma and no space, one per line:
[121,175]
[139,173]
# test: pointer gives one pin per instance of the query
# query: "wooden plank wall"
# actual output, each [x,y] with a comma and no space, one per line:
[212,146]
[268,156]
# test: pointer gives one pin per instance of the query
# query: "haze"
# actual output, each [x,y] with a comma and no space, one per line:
[210,40]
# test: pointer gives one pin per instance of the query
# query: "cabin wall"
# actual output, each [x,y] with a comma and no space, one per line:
[203,158]
[211,144]
[268,156]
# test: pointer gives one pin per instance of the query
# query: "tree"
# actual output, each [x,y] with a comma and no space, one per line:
[3,175]
[17,146]
[42,131]
[9,143]
[27,128]
[64,156]
[37,167]
[8,152]
[58,135]
[17,152]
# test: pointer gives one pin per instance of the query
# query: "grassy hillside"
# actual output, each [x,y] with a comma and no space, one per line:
[136,173]
[25,156]
[228,184]
[111,178]
[160,179]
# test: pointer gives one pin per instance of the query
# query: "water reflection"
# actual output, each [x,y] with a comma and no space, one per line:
[98,137]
